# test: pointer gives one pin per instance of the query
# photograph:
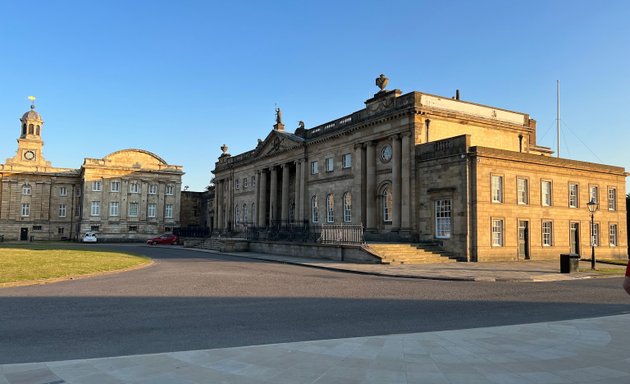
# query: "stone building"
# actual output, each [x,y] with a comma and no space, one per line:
[421,168]
[127,195]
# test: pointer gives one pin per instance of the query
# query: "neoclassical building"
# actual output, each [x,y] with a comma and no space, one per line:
[127,195]
[421,168]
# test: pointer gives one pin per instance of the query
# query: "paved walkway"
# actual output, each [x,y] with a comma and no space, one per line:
[578,351]
[529,270]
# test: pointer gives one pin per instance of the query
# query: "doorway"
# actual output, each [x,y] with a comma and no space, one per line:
[574,238]
[23,234]
[523,240]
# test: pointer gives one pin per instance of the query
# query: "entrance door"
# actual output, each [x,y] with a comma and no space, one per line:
[574,238]
[23,233]
[523,239]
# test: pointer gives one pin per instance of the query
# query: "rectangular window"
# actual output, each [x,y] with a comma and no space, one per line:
[26,189]
[62,210]
[346,160]
[63,191]
[60,230]
[443,218]
[497,189]
[95,228]
[497,232]
[134,188]
[237,183]
[573,195]
[26,209]
[133,228]
[612,199]
[522,187]
[151,210]
[253,181]
[133,210]
[113,208]
[37,227]
[168,211]
[95,209]
[96,185]
[330,164]
[170,189]
[115,186]
[612,235]
[314,167]
[547,233]
[545,193]
[244,182]
[595,235]
[593,194]
[153,189]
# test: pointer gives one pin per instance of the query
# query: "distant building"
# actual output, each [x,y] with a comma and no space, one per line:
[127,195]
[420,168]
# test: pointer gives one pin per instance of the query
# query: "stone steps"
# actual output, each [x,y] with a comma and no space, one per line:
[405,253]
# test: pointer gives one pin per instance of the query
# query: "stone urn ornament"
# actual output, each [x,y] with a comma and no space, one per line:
[381,82]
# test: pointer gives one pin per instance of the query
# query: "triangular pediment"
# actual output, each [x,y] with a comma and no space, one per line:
[277,141]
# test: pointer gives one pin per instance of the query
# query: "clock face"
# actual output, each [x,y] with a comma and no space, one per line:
[386,153]
[29,155]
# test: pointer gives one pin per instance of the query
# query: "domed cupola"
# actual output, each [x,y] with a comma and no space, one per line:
[31,122]
[30,143]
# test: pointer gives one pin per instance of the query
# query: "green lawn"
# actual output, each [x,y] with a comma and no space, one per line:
[21,264]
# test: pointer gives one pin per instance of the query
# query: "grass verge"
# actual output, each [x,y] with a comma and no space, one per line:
[23,265]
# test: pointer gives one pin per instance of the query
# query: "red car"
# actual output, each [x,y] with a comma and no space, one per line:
[167,238]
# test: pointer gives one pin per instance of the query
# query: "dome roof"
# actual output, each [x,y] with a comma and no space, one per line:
[31,115]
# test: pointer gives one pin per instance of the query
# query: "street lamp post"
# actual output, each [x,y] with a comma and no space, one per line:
[592,207]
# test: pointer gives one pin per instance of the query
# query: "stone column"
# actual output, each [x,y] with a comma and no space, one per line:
[256,199]
[370,195]
[273,192]
[215,219]
[303,199]
[357,185]
[284,213]
[405,183]
[262,204]
[220,206]
[298,198]
[396,184]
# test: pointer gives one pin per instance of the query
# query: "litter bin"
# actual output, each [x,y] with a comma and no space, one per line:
[569,262]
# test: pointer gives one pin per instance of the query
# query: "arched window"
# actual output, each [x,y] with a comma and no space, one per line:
[23,129]
[347,207]
[237,215]
[253,214]
[330,208]
[314,210]
[30,129]
[26,189]
[37,131]
[387,205]
[245,218]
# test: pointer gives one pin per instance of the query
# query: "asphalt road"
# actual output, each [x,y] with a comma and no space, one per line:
[191,300]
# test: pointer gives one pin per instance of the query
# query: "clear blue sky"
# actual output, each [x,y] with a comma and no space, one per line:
[180,78]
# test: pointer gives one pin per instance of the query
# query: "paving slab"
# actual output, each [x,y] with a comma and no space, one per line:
[573,351]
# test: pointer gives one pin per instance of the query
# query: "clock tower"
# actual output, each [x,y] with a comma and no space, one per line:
[30,142]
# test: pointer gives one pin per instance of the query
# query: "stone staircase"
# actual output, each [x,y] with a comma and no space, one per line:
[406,253]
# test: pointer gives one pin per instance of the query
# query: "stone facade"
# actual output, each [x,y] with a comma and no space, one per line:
[417,167]
[127,195]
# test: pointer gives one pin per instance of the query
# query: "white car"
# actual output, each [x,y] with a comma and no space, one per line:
[89,237]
